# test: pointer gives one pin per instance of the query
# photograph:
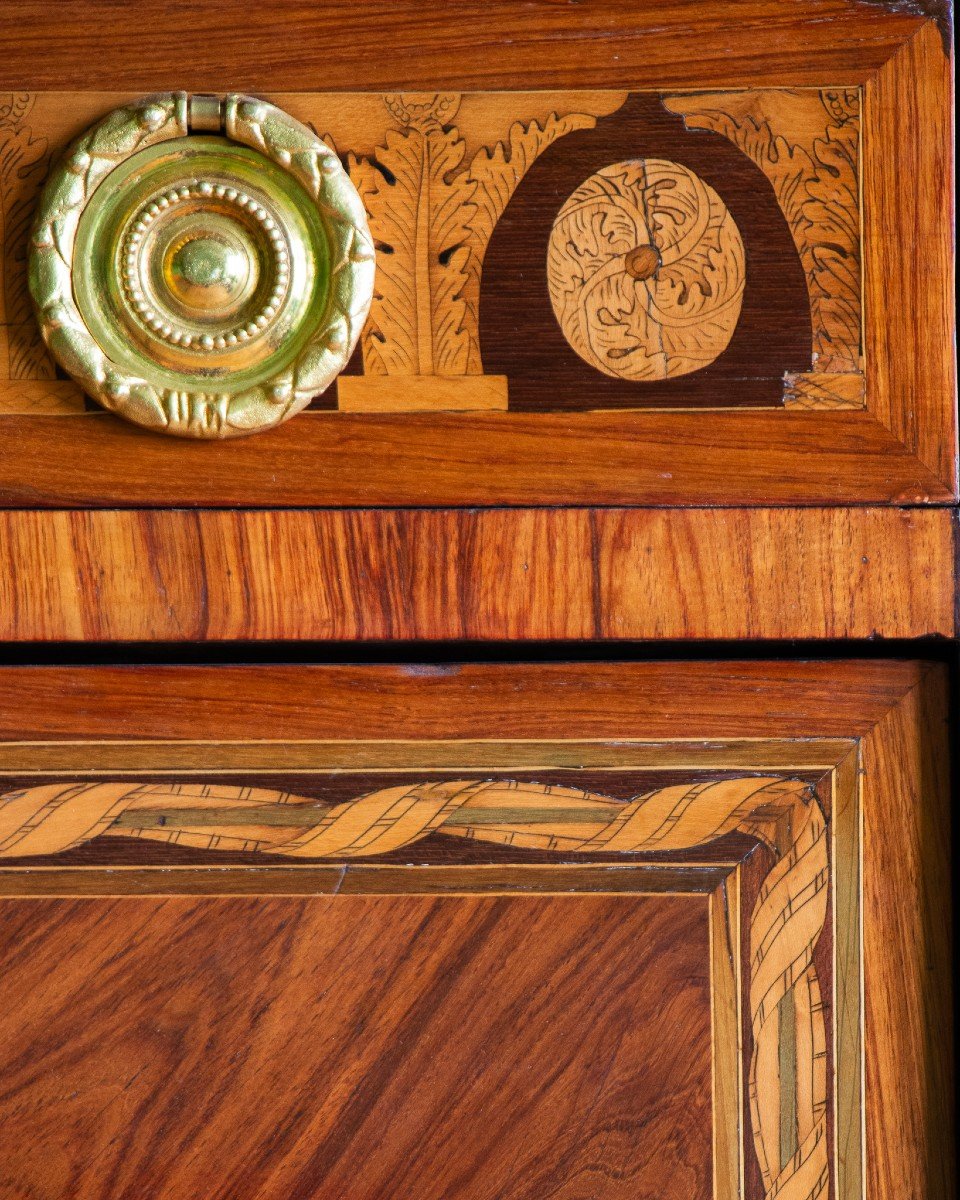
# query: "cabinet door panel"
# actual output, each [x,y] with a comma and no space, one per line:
[488,931]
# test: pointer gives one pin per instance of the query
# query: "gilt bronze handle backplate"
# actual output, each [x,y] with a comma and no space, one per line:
[202,267]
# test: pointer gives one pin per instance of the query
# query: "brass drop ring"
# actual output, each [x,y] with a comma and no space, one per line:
[201,267]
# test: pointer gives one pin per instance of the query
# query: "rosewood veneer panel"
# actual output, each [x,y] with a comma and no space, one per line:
[416,1047]
[564,574]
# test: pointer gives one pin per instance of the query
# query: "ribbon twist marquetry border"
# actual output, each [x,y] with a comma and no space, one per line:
[785,925]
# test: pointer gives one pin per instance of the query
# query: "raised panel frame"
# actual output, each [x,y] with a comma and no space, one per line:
[901,449]
[883,739]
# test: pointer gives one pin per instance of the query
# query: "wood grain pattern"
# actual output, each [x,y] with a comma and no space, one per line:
[908,948]
[364,880]
[177,576]
[135,1064]
[726,984]
[402,46]
[515,700]
[421,393]
[910,339]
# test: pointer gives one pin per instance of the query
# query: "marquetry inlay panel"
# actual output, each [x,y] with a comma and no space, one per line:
[646,271]
[548,250]
[759,829]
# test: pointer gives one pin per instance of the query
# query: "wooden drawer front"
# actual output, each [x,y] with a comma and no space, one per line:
[658,295]
[476,932]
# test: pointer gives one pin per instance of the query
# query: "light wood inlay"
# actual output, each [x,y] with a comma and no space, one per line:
[646,270]
[422,393]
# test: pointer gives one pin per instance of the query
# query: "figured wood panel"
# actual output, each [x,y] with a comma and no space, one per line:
[908,947]
[418,1047]
[176,576]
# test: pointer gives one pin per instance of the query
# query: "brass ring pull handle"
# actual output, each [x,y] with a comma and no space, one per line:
[202,267]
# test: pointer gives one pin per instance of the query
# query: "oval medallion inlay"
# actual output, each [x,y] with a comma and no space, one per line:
[646,271]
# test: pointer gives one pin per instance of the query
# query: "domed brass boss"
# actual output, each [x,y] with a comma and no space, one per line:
[202,268]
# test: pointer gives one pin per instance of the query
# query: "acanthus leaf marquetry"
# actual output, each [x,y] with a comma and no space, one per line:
[807,143]
[646,271]
[24,159]
[438,172]
[433,213]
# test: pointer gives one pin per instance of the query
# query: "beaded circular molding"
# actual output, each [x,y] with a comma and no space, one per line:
[204,284]
[202,268]
[646,271]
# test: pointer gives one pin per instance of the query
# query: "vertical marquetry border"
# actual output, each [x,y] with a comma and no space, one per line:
[726,1006]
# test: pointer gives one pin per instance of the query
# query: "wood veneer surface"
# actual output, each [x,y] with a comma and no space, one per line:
[403,45]
[422,1048]
[404,575]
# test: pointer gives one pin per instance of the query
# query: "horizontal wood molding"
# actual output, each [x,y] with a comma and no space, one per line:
[365,880]
[518,700]
[406,46]
[722,457]
[498,574]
